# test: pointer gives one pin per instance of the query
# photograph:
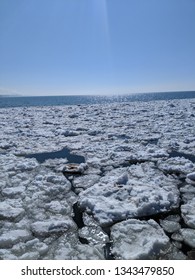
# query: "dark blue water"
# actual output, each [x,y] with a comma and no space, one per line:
[6,102]
[186,156]
[64,153]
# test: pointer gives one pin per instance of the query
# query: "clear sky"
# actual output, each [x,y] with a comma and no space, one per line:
[65,47]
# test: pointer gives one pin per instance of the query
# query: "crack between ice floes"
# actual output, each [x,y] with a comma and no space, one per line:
[78,219]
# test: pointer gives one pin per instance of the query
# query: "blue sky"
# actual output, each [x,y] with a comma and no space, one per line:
[64,47]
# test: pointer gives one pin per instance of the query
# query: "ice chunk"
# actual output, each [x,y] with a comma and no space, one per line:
[68,247]
[136,240]
[187,193]
[47,228]
[177,237]
[174,218]
[123,179]
[69,133]
[188,236]
[85,181]
[7,212]
[29,256]
[14,192]
[188,213]
[170,226]
[177,165]
[8,239]
[146,192]
[94,235]
[32,249]
[191,177]
[58,207]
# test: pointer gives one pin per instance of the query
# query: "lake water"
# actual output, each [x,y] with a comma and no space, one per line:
[64,153]
[25,101]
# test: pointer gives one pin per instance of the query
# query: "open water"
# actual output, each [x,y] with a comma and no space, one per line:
[27,101]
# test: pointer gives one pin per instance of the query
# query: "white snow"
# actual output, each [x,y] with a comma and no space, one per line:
[170,226]
[146,192]
[191,178]
[188,236]
[49,227]
[188,213]
[7,212]
[176,165]
[10,238]
[138,240]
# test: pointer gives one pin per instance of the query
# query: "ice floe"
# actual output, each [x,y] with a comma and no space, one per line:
[170,226]
[188,236]
[136,191]
[138,240]
[188,213]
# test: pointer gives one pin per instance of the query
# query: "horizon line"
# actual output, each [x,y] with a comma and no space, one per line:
[100,94]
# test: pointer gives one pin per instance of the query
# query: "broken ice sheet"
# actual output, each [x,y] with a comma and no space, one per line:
[146,191]
[124,144]
[138,240]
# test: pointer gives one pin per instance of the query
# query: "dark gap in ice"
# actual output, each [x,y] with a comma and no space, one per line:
[107,251]
[64,153]
[186,156]
[78,216]
[159,216]
[153,141]
[187,250]
[83,240]
[106,229]
[78,213]
[191,254]
[133,161]
[102,171]
[108,246]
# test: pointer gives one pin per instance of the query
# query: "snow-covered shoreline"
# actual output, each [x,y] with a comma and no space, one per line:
[132,193]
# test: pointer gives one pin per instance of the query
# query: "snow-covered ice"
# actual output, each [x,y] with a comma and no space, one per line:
[134,239]
[170,226]
[188,236]
[134,163]
[188,213]
[191,178]
[136,191]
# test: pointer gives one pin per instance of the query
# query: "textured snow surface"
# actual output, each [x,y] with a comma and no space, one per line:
[188,236]
[188,213]
[135,189]
[132,240]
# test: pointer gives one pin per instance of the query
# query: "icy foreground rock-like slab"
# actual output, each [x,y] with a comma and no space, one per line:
[191,178]
[170,226]
[7,212]
[137,191]
[188,213]
[68,247]
[177,165]
[47,228]
[188,236]
[7,240]
[138,240]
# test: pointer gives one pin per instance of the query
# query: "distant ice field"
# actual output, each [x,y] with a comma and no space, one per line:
[112,180]
[24,101]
